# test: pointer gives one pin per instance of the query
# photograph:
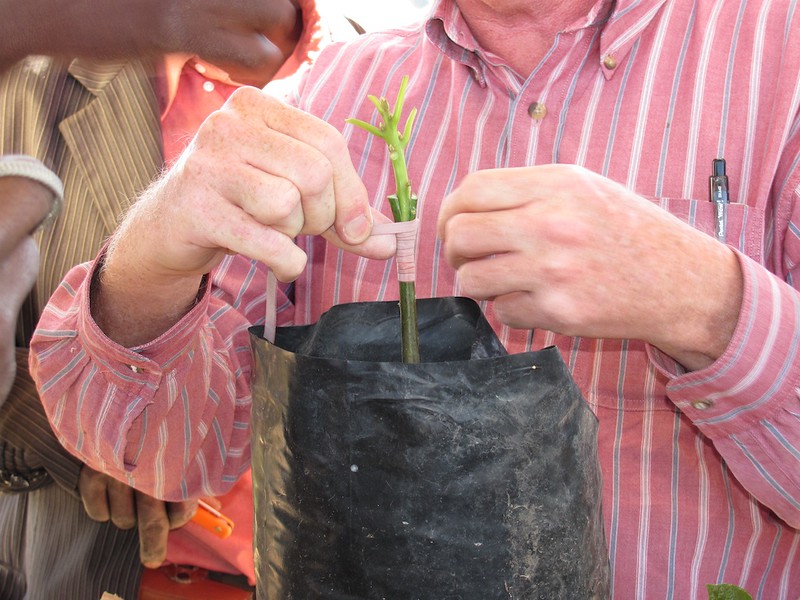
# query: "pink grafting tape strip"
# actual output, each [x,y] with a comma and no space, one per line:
[405,257]
[271,320]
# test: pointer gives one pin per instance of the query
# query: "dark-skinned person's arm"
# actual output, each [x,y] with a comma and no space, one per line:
[255,34]
[29,192]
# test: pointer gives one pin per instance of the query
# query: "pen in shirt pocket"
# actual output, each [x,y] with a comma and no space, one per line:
[212,520]
[718,194]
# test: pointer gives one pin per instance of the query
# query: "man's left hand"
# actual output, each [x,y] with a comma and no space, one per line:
[561,248]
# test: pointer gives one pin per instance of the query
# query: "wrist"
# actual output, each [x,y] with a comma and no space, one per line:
[133,307]
[17,165]
[707,326]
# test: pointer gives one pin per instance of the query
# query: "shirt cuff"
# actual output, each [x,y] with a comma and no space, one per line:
[759,372]
[140,365]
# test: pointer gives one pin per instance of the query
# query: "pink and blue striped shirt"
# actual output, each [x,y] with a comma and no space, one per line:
[701,470]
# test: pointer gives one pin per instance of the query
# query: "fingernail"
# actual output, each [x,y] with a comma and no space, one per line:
[357,229]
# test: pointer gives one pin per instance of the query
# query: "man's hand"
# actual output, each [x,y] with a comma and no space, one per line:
[257,174]
[561,248]
[105,498]
[256,34]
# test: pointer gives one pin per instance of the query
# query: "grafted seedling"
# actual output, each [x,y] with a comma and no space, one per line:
[403,202]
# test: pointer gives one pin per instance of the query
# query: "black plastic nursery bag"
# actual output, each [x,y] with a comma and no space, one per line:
[472,475]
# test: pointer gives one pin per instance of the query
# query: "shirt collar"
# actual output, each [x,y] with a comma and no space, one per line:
[628,20]
[622,23]
[95,75]
[447,30]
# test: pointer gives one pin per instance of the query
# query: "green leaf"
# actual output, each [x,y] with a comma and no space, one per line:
[366,126]
[409,124]
[379,103]
[725,591]
[398,104]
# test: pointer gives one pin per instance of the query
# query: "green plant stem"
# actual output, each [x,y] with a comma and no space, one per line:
[408,321]
[406,211]
[403,202]
[406,207]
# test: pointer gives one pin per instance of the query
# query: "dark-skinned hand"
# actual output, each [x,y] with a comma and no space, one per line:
[251,35]
[106,499]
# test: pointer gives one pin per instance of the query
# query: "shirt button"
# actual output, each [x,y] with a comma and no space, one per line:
[609,62]
[537,111]
[208,86]
[702,404]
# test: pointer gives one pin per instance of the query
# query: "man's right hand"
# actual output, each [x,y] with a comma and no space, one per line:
[249,33]
[257,174]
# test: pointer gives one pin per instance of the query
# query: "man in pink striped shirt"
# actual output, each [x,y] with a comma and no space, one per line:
[562,158]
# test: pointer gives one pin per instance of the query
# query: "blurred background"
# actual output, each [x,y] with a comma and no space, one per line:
[379,14]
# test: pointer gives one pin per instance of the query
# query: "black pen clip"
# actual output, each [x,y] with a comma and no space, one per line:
[718,182]
[718,194]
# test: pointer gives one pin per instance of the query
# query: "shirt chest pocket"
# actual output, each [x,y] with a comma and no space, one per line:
[745,224]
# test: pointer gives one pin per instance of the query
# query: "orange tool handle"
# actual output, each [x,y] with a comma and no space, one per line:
[214,521]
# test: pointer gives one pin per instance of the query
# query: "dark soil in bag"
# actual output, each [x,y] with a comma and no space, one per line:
[472,475]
